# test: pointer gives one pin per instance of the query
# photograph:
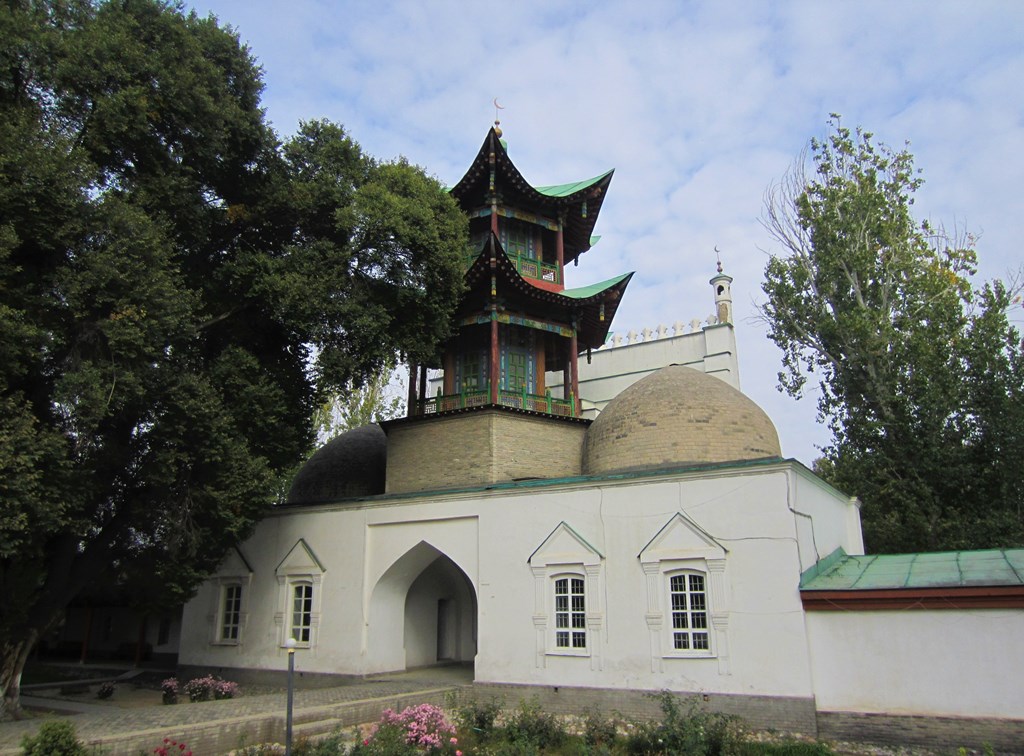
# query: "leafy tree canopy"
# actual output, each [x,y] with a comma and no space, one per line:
[921,375]
[178,293]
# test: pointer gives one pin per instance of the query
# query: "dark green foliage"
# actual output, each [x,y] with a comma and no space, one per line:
[599,730]
[53,739]
[921,377]
[178,293]
[685,730]
[531,726]
[333,745]
[784,748]
[389,740]
[478,716]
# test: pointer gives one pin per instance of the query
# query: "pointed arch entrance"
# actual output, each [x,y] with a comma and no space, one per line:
[423,612]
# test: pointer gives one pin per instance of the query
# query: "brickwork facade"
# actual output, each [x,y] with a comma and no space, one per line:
[677,416]
[1003,735]
[788,714]
[479,448]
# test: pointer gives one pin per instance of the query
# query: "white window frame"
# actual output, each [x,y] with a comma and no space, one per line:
[575,618]
[566,554]
[230,618]
[681,547]
[694,621]
[233,571]
[300,617]
[299,568]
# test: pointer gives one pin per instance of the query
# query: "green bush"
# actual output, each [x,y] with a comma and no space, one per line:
[599,730]
[690,731]
[530,725]
[478,717]
[332,745]
[785,748]
[54,739]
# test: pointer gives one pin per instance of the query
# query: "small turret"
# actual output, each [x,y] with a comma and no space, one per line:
[722,284]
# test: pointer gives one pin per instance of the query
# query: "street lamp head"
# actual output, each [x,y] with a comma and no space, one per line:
[290,644]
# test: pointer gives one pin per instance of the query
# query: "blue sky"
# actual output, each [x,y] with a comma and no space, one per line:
[699,106]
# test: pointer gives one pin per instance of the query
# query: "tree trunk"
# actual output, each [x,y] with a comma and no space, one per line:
[13,655]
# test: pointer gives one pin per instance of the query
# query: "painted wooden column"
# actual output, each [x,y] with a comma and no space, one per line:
[140,643]
[423,383]
[411,409]
[495,378]
[449,372]
[87,635]
[560,248]
[574,366]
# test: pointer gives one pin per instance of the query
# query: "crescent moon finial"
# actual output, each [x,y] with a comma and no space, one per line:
[718,255]
[497,123]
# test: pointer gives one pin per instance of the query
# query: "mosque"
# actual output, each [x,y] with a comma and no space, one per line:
[587,519]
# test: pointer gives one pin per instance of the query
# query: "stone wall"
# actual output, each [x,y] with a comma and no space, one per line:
[480,447]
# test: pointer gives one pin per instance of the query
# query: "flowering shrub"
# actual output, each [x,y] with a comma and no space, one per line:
[417,729]
[169,688]
[170,685]
[106,690]
[172,748]
[200,689]
[224,689]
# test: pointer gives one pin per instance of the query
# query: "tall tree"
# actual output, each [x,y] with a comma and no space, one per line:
[380,397]
[920,375]
[178,292]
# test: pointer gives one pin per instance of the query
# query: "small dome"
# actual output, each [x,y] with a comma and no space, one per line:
[674,417]
[347,466]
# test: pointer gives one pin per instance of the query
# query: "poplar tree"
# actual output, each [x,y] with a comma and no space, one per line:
[920,374]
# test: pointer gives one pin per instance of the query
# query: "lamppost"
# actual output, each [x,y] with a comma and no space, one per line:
[290,645]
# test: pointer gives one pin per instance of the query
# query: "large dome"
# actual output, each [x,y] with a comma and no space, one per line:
[347,466]
[674,417]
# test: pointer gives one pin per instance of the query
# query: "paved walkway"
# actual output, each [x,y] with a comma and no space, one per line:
[249,717]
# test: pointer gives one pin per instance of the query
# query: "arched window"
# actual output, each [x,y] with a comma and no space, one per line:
[570,613]
[301,623]
[689,612]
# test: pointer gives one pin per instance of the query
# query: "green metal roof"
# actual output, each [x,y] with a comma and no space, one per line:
[948,569]
[588,291]
[565,190]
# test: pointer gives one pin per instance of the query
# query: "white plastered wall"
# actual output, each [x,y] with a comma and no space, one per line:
[612,369]
[924,662]
[383,547]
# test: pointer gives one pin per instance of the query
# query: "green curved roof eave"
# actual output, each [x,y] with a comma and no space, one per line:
[588,291]
[567,190]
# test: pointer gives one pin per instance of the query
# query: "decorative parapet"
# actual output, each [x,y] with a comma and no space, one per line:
[660,332]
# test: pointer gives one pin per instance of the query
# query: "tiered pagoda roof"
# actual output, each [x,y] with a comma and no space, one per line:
[580,201]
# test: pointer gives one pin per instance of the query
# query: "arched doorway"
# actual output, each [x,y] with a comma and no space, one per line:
[423,612]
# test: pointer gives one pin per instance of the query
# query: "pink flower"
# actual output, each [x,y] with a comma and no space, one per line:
[453,741]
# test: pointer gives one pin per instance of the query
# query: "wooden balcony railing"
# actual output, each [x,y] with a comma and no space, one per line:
[521,400]
[528,267]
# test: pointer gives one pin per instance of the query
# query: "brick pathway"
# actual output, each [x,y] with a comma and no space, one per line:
[215,727]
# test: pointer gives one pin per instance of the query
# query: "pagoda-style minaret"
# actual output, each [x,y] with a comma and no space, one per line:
[517,320]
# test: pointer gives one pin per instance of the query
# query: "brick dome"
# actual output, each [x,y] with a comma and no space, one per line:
[674,417]
[347,466]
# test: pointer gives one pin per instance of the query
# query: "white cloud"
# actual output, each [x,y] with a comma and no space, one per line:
[699,106]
